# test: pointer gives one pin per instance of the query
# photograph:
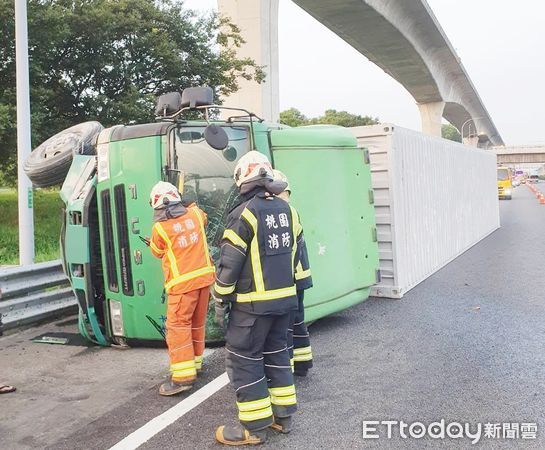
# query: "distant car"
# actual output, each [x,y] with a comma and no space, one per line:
[516,182]
[523,181]
[533,179]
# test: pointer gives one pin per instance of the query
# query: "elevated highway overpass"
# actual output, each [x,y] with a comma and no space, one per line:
[520,155]
[403,37]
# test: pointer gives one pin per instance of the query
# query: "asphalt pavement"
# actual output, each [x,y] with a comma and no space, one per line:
[465,346]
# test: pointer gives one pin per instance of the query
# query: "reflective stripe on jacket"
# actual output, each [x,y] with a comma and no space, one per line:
[258,255]
[181,244]
[303,277]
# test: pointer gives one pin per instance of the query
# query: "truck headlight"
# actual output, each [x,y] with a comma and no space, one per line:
[116,318]
[103,162]
[507,191]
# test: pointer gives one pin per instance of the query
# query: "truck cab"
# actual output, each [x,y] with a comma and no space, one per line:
[119,284]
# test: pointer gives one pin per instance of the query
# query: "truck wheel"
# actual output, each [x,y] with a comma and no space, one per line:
[48,163]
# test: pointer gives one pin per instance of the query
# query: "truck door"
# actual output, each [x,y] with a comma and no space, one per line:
[133,277]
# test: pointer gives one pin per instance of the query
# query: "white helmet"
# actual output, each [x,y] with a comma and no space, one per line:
[280,176]
[252,166]
[162,194]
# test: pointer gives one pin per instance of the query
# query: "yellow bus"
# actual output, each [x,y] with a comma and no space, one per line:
[505,185]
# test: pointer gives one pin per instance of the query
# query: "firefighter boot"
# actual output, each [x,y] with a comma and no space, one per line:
[282,424]
[171,387]
[238,435]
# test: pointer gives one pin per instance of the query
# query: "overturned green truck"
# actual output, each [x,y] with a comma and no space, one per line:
[119,284]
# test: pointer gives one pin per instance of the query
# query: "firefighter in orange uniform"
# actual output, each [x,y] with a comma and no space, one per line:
[179,239]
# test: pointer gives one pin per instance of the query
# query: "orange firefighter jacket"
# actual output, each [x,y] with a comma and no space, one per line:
[181,244]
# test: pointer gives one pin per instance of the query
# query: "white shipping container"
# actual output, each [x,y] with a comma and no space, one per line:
[434,199]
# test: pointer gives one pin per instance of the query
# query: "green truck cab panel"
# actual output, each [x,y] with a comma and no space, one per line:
[79,236]
[330,180]
[134,278]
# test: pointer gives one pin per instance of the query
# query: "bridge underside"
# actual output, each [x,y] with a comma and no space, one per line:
[369,32]
[406,41]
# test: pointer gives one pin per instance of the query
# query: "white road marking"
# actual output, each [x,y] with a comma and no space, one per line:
[159,423]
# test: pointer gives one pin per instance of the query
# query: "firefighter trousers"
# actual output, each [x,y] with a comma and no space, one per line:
[259,369]
[185,329]
[298,337]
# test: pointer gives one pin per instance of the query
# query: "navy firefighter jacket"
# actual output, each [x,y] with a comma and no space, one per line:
[260,252]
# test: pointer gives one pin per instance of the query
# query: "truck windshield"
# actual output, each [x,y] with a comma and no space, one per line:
[206,174]
[503,174]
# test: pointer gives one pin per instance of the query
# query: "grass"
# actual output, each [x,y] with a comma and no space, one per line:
[47,225]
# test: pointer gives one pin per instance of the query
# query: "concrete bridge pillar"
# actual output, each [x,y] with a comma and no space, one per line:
[431,114]
[258,22]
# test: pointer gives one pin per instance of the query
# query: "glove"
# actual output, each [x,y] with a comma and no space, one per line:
[221,308]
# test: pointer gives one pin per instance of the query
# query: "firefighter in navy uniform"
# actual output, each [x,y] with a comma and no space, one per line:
[298,335]
[255,280]
[302,351]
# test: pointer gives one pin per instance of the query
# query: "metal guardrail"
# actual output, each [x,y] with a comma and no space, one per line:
[29,294]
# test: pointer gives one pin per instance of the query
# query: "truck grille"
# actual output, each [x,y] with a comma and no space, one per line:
[107,232]
[123,239]
[96,276]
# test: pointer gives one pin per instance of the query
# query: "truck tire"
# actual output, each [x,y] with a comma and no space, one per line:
[48,163]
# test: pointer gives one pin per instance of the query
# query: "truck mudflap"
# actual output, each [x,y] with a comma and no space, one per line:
[80,242]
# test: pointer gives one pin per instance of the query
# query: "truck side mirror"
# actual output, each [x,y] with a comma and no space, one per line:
[216,137]
[194,97]
[168,104]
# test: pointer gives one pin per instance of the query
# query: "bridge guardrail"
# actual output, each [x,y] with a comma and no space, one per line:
[29,294]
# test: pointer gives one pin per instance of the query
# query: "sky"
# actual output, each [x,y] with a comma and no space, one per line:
[501,45]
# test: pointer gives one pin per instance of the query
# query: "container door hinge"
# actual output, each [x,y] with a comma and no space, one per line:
[366,157]
[137,257]
[132,188]
[378,277]
[374,234]
[371,197]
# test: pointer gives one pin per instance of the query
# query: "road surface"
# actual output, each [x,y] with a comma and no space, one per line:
[467,345]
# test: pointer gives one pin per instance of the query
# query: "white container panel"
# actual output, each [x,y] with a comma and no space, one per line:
[434,199]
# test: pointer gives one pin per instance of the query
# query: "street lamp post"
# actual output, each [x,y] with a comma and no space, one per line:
[24,185]
[463,125]
[469,128]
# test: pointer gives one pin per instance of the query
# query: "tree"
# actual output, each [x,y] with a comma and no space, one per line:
[450,132]
[294,118]
[107,61]
[345,119]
